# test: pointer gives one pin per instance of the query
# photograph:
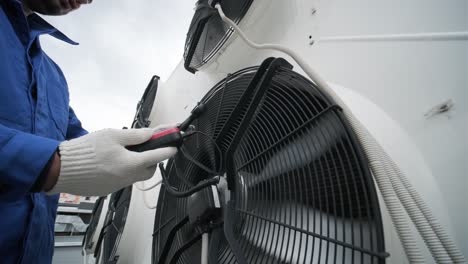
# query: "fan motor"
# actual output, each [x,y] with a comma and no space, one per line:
[204,208]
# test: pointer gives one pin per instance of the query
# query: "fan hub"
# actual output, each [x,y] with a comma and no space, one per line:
[204,207]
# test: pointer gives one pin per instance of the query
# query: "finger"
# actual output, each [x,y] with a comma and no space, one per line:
[153,157]
[130,137]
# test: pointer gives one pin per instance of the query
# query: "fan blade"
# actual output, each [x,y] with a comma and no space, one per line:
[294,233]
[170,239]
[229,216]
[192,241]
[215,242]
[256,254]
[215,31]
[209,149]
[309,146]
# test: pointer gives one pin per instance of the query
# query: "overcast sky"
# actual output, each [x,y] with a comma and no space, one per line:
[122,44]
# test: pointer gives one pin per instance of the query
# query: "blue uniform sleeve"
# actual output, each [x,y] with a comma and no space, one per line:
[22,159]
[75,129]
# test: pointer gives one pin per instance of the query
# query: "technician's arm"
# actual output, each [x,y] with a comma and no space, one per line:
[22,158]
[99,163]
[93,165]
[52,174]
[74,130]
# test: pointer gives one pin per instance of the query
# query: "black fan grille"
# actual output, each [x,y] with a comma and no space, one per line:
[208,33]
[303,191]
[91,229]
[304,174]
[114,225]
[145,105]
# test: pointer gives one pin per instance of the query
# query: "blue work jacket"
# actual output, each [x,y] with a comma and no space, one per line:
[35,117]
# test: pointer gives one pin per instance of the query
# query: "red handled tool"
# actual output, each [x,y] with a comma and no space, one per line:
[171,137]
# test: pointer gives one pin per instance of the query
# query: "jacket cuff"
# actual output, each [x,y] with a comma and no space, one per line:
[26,156]
[41,180]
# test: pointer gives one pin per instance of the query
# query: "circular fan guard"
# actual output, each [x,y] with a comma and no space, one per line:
[145,105]
[91,229]
[208,33]
[300,187]
[114,225]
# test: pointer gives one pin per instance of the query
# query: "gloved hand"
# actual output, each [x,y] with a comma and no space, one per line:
[98,163]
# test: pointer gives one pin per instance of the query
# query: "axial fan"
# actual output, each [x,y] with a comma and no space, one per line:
[114,224]
[208,33]
[95,225]
[119,203]
[145,105]
[294,185]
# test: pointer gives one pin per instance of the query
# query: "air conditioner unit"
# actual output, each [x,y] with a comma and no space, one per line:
[295,181]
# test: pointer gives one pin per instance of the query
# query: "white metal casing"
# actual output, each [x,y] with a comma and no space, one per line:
[391,61]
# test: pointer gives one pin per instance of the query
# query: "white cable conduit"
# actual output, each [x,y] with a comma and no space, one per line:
[144,189]
[85,256]
[416,208]
[393,184]
[147,205]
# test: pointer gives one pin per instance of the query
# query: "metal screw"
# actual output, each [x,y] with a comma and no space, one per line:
[313,11]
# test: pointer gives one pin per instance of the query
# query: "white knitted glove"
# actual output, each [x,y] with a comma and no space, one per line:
[98,163]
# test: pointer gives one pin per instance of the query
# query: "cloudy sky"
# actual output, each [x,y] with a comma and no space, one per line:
[122,44]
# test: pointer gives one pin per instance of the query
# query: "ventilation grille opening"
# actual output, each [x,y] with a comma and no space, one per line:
[208,33]
[302,191]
